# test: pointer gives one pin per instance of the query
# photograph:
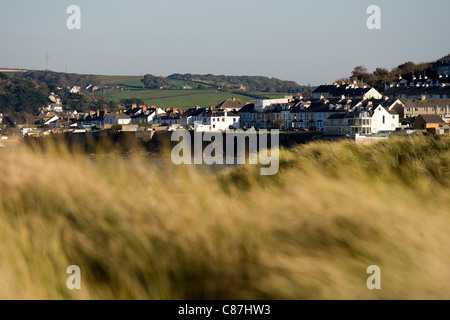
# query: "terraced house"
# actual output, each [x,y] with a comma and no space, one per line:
[345,91]
[363,120]
[439,107]
[313,116]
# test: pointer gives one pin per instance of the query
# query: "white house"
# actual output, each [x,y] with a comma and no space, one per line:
[384,120]
[190,116]
[54,107]
[75,89]
[120,118]
[260,105]
[216,121]
[363,121]
[52,122]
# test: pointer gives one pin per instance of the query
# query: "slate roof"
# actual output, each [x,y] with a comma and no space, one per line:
[231,104]
[193,112]
[418,91]
[431,118]
[337,91]
[247,108]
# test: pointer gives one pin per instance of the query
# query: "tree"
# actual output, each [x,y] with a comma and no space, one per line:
[153,82]
[358,72]
[280,122]
[407,67]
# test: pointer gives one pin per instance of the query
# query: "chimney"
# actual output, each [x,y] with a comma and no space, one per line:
[234,98]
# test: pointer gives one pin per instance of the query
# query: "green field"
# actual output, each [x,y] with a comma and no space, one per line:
[132,87]
[176,98]
[135,83]
[116,80]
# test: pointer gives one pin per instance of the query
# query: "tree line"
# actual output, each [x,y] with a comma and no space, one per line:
[380,76]
[251,83]
[61,79]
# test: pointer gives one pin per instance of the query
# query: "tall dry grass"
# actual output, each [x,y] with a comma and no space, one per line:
[140,231]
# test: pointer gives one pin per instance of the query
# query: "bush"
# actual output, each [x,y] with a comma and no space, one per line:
[116,127]
[431,131]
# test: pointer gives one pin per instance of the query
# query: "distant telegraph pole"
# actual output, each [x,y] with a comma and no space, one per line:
[46,62]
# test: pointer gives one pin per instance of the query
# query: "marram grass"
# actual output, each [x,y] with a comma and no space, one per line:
[140,231]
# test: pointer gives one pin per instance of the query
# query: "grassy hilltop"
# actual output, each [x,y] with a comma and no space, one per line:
[140,231]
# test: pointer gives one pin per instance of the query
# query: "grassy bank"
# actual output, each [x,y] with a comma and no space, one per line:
[143,232]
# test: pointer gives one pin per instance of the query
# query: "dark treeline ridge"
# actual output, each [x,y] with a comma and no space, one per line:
[251,83]
[380,76]
[61,79]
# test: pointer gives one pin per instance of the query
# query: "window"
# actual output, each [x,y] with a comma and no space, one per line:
[234,119]
[384,119]
[214,126]
[223,119]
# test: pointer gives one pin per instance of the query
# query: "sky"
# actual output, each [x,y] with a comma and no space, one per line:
[310,42]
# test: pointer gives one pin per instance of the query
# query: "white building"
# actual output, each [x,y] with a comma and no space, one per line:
[363,121]
[119,118]
[54,107]
[217,121]
[75,89]
[260,105]
[383,120]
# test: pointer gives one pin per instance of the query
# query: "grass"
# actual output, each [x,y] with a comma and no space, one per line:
[176,98]
[115,80]
[173,98]
[143,231]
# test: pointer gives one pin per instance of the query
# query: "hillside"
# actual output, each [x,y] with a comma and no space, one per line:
[177,90]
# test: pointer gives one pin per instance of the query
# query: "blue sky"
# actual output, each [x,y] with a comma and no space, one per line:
[305,41]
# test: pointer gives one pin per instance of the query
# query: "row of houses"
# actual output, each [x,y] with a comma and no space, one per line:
[422,86]
[332,109]
[334,116]
[339,116]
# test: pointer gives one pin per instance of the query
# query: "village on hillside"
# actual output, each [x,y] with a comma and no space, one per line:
[409,105]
